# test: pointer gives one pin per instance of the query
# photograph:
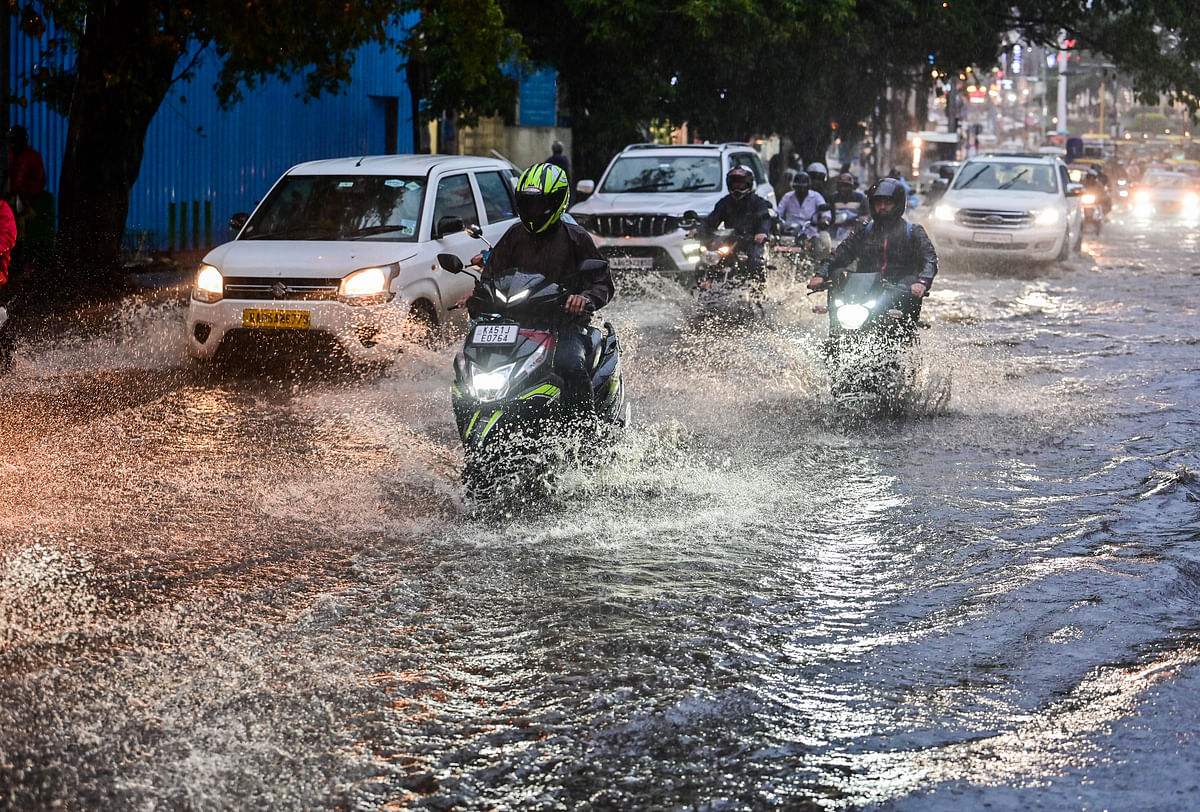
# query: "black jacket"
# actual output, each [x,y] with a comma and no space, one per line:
[556,254]
[903,251]
[749,216]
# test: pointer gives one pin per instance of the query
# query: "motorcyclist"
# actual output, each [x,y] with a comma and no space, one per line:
[901,250]
[848,198]
[543,243]
[819,176]
[747,214]
[799,206]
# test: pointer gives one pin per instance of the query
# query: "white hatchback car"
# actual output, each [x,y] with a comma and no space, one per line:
[347,249]
[1009,207]
[635,212]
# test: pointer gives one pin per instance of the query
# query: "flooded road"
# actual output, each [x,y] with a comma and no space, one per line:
[261,589]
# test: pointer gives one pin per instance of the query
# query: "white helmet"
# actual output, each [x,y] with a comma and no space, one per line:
[817,171]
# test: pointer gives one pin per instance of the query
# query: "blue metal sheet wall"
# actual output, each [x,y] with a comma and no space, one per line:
[218,162]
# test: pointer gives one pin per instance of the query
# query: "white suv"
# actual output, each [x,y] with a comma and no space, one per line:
[1009,207]
[635,211]
[347,249]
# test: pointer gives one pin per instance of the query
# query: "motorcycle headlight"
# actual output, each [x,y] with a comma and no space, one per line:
[691,251]
[852,316]
[712,257]
[1048,217]
[489,385]
[366,286]
[1087,199]
[210,285]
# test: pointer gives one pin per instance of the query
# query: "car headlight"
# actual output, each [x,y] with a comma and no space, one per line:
[944,212]
[1191,201]
[1141,196]
[1048,217]
[852,316]
[210,285]
[366,286]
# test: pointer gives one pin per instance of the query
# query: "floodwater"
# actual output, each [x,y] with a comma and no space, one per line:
[260,588]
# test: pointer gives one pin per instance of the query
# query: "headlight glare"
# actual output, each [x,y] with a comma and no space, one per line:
[944,212]
[490,385]
[852,316]
[366,282]
[1048,217]
[210,285]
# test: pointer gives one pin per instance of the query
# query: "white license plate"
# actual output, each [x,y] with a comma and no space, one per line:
[631,263]
[790,249]
[495,334]
[985,236]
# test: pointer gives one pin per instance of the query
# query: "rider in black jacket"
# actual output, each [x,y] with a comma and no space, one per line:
[747,214]
[889,243]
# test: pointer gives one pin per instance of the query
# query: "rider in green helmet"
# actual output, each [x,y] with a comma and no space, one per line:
[544,243]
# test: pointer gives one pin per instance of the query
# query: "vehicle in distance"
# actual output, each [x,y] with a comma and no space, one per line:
[1009,207]
[634,213]
[346,250]
[1167,195]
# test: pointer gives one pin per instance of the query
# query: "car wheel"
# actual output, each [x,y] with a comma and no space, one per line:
[1065,252]
[1078,246]
[421,325]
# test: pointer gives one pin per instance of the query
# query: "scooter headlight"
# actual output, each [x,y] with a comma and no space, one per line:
[1087,199]
[712,257]
[489,384]
[852,316]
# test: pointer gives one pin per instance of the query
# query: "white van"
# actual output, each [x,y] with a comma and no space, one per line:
[347,249]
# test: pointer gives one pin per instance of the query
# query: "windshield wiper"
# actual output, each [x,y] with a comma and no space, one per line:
[694,186]
[975,177]
[288,232]
[648,187]
[370,230]
[1013,179]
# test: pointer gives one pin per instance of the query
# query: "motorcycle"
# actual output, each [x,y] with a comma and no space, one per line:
[871,347]
[506,396]
[728,282]
[799,249]
[1093,212]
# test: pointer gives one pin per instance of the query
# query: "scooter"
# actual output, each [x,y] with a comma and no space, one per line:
[507,398]
[871,348]
[1093,212]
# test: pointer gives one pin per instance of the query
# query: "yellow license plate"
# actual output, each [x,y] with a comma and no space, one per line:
[293,319]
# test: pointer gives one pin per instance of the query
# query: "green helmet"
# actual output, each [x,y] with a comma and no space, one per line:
[541,196]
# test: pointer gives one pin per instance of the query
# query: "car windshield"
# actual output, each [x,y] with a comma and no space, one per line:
[1022,177]
[1169,180]
[683,173]
[340,207]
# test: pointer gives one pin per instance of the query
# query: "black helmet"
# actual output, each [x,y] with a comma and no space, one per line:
[740,182]
[801,180]
[891,189]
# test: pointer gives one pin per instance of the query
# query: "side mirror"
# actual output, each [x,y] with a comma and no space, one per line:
[1074,189]
[238,221]
[450,262]
[593,265]
[585,187]
[447,225]
[475,230]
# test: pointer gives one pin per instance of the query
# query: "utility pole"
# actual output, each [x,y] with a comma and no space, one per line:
[1062,93]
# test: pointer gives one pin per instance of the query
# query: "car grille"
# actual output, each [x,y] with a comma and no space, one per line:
[662,259]
[993,218]
[291,290]
[633,225]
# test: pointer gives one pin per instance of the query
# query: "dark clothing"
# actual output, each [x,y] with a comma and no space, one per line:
[27,174]
[749,216]
[902,251]
[556,254]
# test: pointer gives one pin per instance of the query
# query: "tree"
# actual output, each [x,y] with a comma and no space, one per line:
[128,53]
